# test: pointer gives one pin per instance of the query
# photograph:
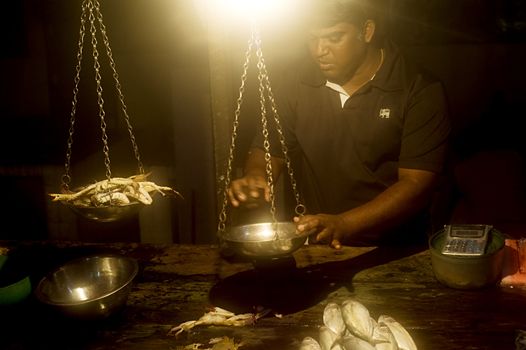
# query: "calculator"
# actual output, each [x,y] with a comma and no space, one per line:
[468,240]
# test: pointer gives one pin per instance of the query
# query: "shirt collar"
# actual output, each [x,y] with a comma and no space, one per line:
[344,96]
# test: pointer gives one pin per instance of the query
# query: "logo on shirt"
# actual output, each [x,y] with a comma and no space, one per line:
[385,113]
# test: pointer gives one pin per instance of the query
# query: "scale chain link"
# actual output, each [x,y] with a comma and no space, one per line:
[300,208]
[223,214]
[264,124]
[118,87]
[100,99]
[93,8]
[66,178]
[264,89]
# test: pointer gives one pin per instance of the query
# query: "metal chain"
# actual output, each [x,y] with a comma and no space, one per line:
[118,87]
[91,6]
[300,208]
[264,87]
[264,124]
[100,100]
[66,178]
[223,214]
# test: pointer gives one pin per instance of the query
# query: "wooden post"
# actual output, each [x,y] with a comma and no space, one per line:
[221,98]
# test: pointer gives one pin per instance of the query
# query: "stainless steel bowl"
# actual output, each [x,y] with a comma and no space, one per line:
[89,287]
[107,213]
[264,239]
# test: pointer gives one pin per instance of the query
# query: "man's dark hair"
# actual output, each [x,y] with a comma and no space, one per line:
[326,13]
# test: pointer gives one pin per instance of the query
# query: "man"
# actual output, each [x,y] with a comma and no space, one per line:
[368,133]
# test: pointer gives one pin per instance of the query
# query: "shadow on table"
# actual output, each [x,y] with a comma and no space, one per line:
[280,286]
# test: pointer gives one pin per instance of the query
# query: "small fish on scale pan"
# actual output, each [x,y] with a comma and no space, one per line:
[349,326]
[116,191]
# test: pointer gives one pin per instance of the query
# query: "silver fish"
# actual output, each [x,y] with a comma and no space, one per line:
[386,346]
[384,338]
[357,319]
[329,340]
[402,336]
[390,342]
[332,318]
[351,342]
[309,343]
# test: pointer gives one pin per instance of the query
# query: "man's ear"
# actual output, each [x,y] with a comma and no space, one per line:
[368,30]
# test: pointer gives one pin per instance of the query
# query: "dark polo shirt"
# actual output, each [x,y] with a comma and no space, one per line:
[344,157]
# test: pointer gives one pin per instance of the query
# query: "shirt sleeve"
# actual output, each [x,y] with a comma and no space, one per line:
[426,129]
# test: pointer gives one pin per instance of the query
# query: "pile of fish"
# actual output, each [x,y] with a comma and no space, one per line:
[116,191]
[349,326]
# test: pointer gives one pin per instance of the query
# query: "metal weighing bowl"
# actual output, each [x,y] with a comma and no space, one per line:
[89,288]
[260,240]
[107,213]
[468,272]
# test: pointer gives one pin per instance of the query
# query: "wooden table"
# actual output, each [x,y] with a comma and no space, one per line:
[177,283]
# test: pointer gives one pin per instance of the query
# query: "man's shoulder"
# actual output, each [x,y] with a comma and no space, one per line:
[406,72]
[412,68]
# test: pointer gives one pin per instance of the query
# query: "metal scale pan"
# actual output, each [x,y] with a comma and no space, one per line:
[113,198]
[263,239]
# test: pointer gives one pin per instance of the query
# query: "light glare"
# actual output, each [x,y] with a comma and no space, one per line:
[80,293]
[267,233]
[256,8]
[249,9]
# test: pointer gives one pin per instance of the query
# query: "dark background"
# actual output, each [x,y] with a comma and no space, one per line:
[162,52]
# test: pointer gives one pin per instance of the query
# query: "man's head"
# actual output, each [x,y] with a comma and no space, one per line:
[339,33]
[326,13]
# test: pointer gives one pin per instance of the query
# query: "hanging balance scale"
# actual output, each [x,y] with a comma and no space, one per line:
[113,198]
[275,238]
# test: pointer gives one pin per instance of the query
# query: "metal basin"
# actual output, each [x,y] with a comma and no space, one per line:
[468,272]
[90,287]
[108,213]
[264,239]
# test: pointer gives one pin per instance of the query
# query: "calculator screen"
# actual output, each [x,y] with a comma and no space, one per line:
[467,233]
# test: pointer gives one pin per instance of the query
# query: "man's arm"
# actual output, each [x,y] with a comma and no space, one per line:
[396,204]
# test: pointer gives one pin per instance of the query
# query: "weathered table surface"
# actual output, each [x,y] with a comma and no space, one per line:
[177,283]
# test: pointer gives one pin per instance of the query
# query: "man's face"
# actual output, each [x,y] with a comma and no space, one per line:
[337,51]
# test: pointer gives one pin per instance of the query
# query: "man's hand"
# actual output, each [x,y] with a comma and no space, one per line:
[330,228]
[253,185]
[248,189]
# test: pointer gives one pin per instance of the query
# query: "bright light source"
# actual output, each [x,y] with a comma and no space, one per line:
[257,9]
[249,9]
